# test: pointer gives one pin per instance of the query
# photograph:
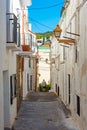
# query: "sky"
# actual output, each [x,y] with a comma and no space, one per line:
[44,15]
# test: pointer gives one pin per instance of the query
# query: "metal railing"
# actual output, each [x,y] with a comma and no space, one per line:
[13,29]
[28,40]
[18,35]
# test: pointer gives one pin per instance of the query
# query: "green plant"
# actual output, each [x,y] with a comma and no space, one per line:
[47,87]
[40,87]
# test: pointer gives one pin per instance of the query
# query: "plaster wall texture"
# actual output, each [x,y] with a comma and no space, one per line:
[1,102]
[7,65]
[12,7]
[25,72]
[11,71]
[75,21]
[43,67]
[54,66]
[2,59]
[28,70]
[53,82]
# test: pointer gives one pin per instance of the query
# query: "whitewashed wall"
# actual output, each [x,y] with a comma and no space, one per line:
[75,21]
[1,102]
[11,109]
[44,68]
[82,63]
[12,70]
[25,72]
[54,66]
[31,71]
[2,58]
[7,66]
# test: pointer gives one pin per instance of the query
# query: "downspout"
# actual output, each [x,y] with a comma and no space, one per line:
[23,25]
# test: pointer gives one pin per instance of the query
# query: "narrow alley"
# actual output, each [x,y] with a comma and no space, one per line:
[43,64]
[43,111]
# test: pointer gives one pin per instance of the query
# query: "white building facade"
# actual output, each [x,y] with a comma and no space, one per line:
[44,64]
[29,73]
[72,70]
[3,63]
[9,45]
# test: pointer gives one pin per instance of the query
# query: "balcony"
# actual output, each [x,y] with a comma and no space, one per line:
[26,48]
[26,39]
[18,35]
[13,29]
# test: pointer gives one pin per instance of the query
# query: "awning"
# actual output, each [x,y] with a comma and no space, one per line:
[67,41]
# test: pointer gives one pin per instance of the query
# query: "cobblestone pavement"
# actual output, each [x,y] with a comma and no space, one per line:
[43,111]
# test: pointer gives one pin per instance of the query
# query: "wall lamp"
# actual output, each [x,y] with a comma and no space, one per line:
[57,32]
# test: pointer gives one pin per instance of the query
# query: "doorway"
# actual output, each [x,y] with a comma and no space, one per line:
[30,82]
[58,91]
[6,95]
[56,88]
[27,82]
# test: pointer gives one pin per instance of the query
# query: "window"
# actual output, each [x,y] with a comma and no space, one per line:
[27,82]
[37,61]
[11,90]
[12,87]
[31,82]
[78,105]
[15,85]
[29,63]
[58,91]
[56,87]
[46,60]
[76,53]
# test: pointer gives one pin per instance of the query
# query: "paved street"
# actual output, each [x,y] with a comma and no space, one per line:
[43,111]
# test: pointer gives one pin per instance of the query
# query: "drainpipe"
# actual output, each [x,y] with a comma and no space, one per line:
[78,18]
[23,25]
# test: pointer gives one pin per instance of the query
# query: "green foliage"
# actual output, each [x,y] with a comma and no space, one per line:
[44,35]
[46,89]
[40,87]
